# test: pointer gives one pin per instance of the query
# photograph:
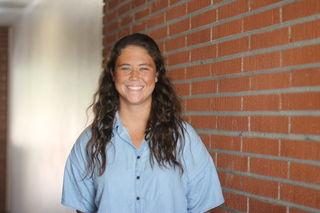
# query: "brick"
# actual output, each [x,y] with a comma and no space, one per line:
[158,5]
[199,104]
[232,162]
[206,140]
[305,31]
[159,33]
[262,61]
[194,5]
[203,18]
[260,187]
[183,89]
[267,167]
[112,3]
[226,103]
[226,67]
[109,16]
[203,87]
[227,29]
[300,195]
[270,39]
[178,58]
[179,27]
[142,13]
[160,44]
[172,2]
[225,142]
[270,81]
[307,77]
[255,4]
[218,210]
[205,122]
[232,9]
[305,173]
[270,124]
[305,125]
[177,74]
[300,9]
[199,37]
[139,27]
[265,207]
[301,101]
[305,150]
[233,47]
[294,210]
[301,55]
[137,3]
[156,20]
[126,20]
[261,20]
[231,181]
[261,102]
[235,201]
[110,38]
[175,43]
[176,12]
[263,146]
[111,26]
[125,8]
[197,71]
[234,84]
[232,123]
[123,32]
[202,53]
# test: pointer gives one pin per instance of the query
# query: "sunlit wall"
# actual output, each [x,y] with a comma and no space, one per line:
[55,61]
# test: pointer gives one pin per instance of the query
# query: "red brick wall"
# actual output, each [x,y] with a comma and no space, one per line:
[3,112]
[248,73]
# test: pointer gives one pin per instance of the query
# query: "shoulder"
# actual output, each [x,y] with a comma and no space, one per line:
[79,147]
[190,136]
[194,149]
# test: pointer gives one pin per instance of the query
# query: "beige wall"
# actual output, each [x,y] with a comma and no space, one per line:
[55,60]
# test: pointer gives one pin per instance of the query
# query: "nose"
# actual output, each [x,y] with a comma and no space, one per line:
[134,74]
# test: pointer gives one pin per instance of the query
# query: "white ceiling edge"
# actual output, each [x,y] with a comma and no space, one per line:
[10,10]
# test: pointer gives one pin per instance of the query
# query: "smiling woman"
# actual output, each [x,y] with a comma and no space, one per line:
[138,155]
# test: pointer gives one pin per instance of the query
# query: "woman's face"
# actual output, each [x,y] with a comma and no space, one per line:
[135,76]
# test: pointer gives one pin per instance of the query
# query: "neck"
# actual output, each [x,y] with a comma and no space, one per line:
[134,115]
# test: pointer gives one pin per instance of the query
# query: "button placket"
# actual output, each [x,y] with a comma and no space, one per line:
[138,182]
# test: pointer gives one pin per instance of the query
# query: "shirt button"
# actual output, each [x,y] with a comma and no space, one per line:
[138,198]
[138,157]
[138,177]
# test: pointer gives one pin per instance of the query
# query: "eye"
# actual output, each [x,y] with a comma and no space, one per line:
[125,69]
[144,69]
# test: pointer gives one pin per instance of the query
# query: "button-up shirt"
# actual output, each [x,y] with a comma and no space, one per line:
[131,185]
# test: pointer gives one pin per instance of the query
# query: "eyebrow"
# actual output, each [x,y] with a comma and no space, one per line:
[130,65]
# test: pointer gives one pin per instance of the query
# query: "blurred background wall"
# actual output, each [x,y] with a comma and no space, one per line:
[55,54]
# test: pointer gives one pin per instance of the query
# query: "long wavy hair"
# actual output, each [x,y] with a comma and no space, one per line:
[164,131]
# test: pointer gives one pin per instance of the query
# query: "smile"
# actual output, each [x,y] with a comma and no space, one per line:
[135,88]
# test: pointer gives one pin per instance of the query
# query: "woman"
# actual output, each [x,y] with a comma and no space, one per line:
[138,155]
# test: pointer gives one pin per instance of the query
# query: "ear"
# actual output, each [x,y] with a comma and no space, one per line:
[156,78]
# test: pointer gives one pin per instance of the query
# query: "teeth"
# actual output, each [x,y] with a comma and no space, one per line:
[135,88]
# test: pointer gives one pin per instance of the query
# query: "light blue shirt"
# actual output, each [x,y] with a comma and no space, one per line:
[130,185]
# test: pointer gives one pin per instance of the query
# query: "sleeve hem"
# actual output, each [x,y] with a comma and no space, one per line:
[207,208]
[65,203]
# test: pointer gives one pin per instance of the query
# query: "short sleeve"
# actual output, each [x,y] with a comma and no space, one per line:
[203,185]
[78,190]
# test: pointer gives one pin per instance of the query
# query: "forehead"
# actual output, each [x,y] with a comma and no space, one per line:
[133,52]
